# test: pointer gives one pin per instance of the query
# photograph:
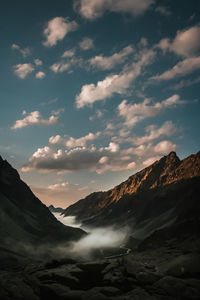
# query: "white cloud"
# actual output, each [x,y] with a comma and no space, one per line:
[100,160]
[165,147]
[86,43]
[186,42]
[113,147]
[133,113]
[109,62]
[68,53]
[40,75]
[24,51]
[117,83]
[184,67]
[38,62]
[60,67]
[22,70]
[82,141]
[92,9]
[154,132]
[55,139]
[34,118]
[57,29]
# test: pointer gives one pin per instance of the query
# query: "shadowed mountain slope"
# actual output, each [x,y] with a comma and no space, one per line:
[23,218]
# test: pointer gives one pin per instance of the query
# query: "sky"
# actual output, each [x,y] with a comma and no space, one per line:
[92,91]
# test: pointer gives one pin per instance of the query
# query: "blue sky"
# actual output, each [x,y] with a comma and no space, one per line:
[94,90]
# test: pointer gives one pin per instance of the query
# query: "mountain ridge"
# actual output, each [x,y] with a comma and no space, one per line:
[152,188]
[23,217]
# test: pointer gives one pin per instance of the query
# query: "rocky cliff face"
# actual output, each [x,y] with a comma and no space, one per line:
[151,198]
[23,218]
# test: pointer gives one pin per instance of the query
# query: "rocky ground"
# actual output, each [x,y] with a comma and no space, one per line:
[171,272]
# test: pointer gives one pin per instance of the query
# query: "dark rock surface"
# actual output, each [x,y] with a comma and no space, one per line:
[24,220]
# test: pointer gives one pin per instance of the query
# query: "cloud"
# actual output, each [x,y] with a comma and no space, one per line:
[68,60]
[71,142]
[38,62]
[83,141]
[117,83]
[185,83]
[57,29]
[109,62]
[34,118]
[55,139]
[165,147]
[92,9]
[68,53]
[163,10]
[110,158]
[22,70]
[24,51]
[40,75]
[86,43]
[153,133]
[60,67]
[186,42]
[133,113]
[184,67]
[79,158]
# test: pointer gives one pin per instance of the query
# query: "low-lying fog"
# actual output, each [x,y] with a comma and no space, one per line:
[98,238]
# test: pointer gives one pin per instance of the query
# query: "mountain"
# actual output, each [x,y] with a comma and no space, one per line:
[164,193]
[23,217]
[54,209]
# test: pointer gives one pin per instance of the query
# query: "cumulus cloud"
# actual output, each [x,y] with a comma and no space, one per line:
[184,67]
[24,51]
[92,9]
[82,141]
[154,132]
[110,158]
[22,70]
[34,118]
[38,62]
[133,113]
[79,158]
[165,147]
[57,29]
[117,83]
[55,139]
[86,43]
[71,142]
[109,62]
[68,53]
[40,75]
[186,42]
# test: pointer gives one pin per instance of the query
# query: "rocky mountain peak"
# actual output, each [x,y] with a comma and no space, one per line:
[8,175]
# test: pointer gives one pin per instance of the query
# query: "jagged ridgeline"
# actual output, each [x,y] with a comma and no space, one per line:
[164,193]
